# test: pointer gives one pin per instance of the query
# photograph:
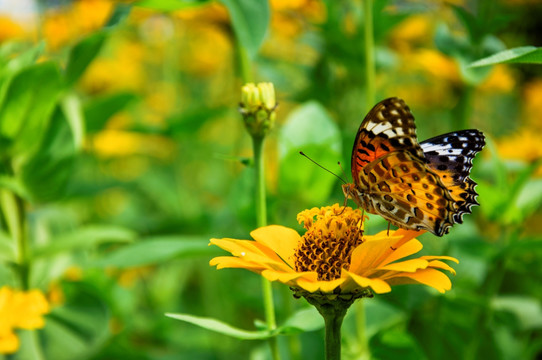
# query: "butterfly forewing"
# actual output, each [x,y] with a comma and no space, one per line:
[388,127]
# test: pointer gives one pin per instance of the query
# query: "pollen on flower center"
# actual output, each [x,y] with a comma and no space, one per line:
[333,232]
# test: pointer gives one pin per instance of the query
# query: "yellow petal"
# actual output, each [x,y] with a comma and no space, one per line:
[407,249]
[379,286]
[281,239]
[440,265]
[407,266]
[248,249]
[440,258]
[371,252]
[285,277]
[224,262]
[9,343]
[429,277]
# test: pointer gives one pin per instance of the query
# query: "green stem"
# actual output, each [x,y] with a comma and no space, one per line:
[361,322]
[370,72]
[14,214]
[333,318]
[244,64]
[464,108]
[261,220]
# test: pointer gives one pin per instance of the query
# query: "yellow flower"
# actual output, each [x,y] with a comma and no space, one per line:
[523,145]
[334,257]
[258,106]
[19,309]
[10,29]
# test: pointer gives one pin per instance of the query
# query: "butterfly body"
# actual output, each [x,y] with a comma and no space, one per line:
[413,186]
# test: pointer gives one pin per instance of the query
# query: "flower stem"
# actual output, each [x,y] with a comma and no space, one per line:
[261,220]
[370,72]
[13,209]
[333,318]
[361,321]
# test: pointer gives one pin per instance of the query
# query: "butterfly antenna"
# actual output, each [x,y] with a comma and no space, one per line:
[342,169]
[329,171]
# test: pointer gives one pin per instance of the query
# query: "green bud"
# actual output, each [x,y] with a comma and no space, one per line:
[258,106]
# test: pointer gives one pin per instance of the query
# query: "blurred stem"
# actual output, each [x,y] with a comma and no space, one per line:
[261,220]
[491,288]
[464,108]
[370,72]
[14,214]
[361,322]
[244,63]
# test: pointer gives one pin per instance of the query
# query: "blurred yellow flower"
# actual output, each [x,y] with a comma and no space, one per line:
[436,64]
[19,310]
[119,143]
[9,29]
[533,105]
[499,80]
[334,257]
[122,70]
[524,145]
[412,32]
[65,24]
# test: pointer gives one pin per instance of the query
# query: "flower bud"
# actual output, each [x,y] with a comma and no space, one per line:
[258,106]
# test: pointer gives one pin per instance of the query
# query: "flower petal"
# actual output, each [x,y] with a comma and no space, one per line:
[436,264]
[224,262]
[406,266]
[440,258]
[429,277]
[248,250]
[379,286]
[280,239]
[407,249]
[371,252]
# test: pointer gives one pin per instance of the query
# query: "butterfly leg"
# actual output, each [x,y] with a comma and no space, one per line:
[388,234]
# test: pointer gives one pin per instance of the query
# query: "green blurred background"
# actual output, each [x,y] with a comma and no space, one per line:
[120,137]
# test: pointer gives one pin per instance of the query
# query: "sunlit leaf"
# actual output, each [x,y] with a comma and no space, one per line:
[82,54]
[522,55]
[84,238]
[99,110]
[307,319]
[28,103]
[223,328]
[169,5]
[250,20]
[7,247]
[73,112]
[527,310]
[156,250]
[310,129]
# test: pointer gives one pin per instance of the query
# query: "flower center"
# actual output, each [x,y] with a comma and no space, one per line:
[333,232]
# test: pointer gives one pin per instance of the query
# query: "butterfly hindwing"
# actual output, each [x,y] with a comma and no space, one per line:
[450,156]
[408,194]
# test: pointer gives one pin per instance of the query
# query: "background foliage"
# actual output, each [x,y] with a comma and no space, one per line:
[122,153]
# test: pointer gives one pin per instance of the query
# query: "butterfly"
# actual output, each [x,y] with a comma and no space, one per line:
[417,186]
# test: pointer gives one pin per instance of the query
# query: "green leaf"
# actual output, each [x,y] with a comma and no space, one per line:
[524,55]
[303,320]
[23,59]
[223,328]
[310,129]
[156,250]
[27,105]
[7,247]
[77,329]
[528,311]
[82,54]
[71,106]
[98,111]
[84,238]
[169,5]
[250,20]
[121,12]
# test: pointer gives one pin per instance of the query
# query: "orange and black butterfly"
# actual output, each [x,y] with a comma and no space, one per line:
[417,186]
